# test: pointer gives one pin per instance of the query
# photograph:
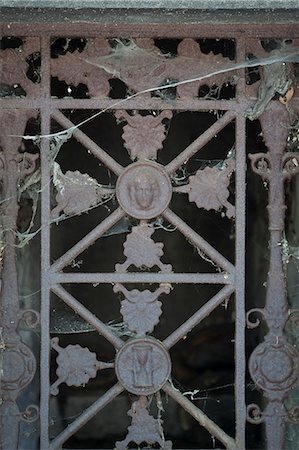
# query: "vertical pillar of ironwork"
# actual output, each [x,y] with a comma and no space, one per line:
[240,323]
[240,362]
[273,364]
[17,362]
[45,243]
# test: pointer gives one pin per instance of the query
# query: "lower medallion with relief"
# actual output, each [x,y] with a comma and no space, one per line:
[143,366]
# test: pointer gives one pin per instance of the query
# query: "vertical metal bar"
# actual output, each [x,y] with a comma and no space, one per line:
[45,245]
[240,361]
[240,283]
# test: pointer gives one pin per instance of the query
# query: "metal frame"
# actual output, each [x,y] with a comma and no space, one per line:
[232,276]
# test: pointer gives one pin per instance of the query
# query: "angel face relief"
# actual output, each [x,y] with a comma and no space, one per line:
[144,190]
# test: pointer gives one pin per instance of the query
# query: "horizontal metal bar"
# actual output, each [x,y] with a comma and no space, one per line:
[135,103]
[157,26]
[171,5]
[200,416]
[141,102]
[138,103]
[87,315]
[197,317]
[140,277]
[87,414]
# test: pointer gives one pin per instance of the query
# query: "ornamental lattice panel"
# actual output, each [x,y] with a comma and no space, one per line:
[142,91]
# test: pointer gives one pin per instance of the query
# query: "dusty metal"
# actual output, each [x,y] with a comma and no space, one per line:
[274,364]
[143,366]
[17,362]
[143,135]
[76,365]
[76,192]
[143,428]
[208,188]
[142,251]
[143,191]
[141,310]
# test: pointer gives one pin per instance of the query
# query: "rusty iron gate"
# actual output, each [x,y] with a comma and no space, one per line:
[143,191]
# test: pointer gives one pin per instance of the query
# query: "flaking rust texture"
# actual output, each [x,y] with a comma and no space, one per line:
[144,191]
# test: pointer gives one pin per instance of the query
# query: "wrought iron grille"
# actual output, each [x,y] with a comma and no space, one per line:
[151,93]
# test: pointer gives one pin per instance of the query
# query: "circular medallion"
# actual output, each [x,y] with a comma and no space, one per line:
[144,190]
[143,366]
[274,366]
[20,365]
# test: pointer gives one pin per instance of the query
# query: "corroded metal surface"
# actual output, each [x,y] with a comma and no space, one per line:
[76,365]
[274,363]
[208,188]
[143,190]
[143,366]
[143,135]
[142,251]
[144,427]
[17,362]
[141,310]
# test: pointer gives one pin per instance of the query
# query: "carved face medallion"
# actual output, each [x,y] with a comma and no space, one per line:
[144,190]
[143,366]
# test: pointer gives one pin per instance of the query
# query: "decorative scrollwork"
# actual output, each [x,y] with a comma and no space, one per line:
[294,316]
[30,317]
[260,164]
[143,428]
[274,366]
[290,164]
[254,414]
[143,135]
[14,66]
[22,371]
[141,250]
[76,192]
[208,188]
[25,162]
[141,310]
[74,68]
[76,365]
[195,62]
[293,415]
[256,323]
[31,414]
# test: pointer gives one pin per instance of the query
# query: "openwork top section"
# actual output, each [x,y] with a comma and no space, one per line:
[108,74]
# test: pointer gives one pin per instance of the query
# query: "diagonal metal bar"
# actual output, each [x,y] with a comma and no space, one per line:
[198,241]
[143,277]
[81,137]
[88,240]
[100,326]
[201,417]
[88,414]
[197,317]
[202,140]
